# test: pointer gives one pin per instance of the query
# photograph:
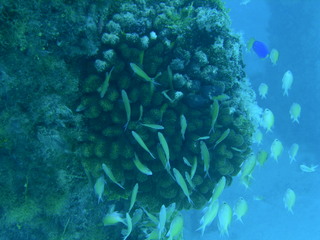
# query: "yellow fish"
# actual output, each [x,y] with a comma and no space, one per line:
[141,167]
[162,219]
[267,120]
[181,182]
[263,90]
[223,136]
[163,159]
[194,167]
[289,199]
[205,155]
[287,81]
[257,137]
[214,114]
[218,189]
[210,214]
[305,168]
[105,85]
[183,125]
[112,218]
[141,143]
[164,145]
[153,126]
[137,70]
[248,166]
[295,111]
[127,107]
[110,175]
[240,208]
[262,157]
[176,227]
[99,188]
[276,149]
[274,56]
[129,225]
[293,151]
[133,196]
[225,217]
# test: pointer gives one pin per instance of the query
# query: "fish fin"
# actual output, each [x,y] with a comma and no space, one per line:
[126,126]
[120,185]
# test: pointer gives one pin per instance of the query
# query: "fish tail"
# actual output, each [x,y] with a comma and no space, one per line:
[126,126]
[120,185]
[190,201]
[152,155]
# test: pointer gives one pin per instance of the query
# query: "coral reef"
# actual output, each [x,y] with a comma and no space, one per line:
[97,82]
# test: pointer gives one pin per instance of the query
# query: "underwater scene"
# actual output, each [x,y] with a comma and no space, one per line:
[159,119]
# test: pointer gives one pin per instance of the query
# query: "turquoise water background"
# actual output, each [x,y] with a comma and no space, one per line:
[292,27]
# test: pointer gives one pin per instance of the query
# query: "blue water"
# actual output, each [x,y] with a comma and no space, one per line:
[292,27]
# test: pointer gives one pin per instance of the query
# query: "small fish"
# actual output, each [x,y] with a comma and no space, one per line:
[289,199]
[137,215]
[258,47]
[176,227]
[248,166]
[202,138]
[110,175]
[154,234]
[276,149]
[162,219]
[163,110]
[210,213]
[257,137]
[164,145]
[194,166]
[240,208]
[245,2]
[112,218]
[263,90]
[267,120]
[181,182]
[183,125]
[262,157]
[293,151]
[258,198]
[137,70]
[151,217]
[218,189]
[164,93]
[127,107]
[99,188]
[141,143]
[295,111]
[221,97]
[189,180]
[171,209]
[186,161]
[287,81]
[274,56]
[205,155]
[141,167]
[307,169]
[133,196]
[163,159]
[129,225]
[153,126]
[225,217]
[105,85]
[214,114]
[140,113]
[223,136]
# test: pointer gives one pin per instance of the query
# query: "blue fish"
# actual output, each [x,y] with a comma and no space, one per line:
[259,48]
